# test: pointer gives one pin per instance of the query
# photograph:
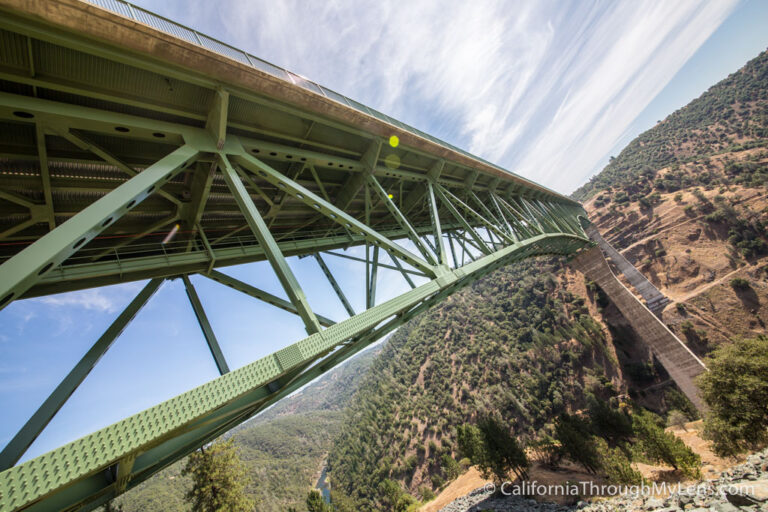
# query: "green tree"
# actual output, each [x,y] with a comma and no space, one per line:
[736,390]
[502,451]
[493,449]
[218,479]
[576,441]
[616,465]
[608,423]
[315,502]
[470,441]
[389,493]
[662,446]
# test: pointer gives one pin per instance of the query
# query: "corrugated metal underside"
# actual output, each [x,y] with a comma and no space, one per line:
[41,69]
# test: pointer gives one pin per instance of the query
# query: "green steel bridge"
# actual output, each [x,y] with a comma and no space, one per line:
[120,127]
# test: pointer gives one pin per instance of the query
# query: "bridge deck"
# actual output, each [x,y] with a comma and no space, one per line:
[134,148]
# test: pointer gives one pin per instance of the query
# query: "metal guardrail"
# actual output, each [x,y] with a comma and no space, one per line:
[138,14]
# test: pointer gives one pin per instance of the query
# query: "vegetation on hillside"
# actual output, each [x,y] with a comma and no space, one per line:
[282,450]
[516,344]
[219,478]
[732,115]
[736,391]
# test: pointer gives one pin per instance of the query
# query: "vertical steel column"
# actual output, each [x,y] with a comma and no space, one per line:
[435,216]
[374,275]
[463,222]
[334,284]
[205,326]
[271,249]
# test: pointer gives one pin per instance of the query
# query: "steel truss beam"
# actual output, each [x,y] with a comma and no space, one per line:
[158,436]
[204,174]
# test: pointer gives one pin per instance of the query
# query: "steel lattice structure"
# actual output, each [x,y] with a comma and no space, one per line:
[117,126]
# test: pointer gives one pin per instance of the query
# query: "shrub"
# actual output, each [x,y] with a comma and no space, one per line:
[739,283]
[426,493]
[661,446]
[576,441]
[616,465]
[674,399]
[736,390]
[677,418]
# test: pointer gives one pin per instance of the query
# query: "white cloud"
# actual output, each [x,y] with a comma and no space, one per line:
[94,300]
[105,300]
[544,88]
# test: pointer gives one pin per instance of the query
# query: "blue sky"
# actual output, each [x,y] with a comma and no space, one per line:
[547,89]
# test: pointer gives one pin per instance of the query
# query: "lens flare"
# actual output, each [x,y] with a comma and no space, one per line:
[394,141]
[171,234]
[392,161]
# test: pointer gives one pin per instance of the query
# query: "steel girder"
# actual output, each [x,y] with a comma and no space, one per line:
[95,175]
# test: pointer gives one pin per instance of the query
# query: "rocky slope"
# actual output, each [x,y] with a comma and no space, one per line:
[741,488]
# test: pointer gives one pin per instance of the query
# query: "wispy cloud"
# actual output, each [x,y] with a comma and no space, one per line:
[87,299]
[545,89]
[104,300]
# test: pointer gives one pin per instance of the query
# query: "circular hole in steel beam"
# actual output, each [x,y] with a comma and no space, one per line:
[106,222]
[45,268]
[130,205]
[273,154]
[122,129]
[159,135]
[255,151]
[79,243]
[23,115]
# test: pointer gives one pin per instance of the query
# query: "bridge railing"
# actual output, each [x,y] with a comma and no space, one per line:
[138,14]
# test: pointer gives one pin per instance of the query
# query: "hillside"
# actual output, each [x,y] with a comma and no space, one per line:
[518,342]
[698,220]
[729,118]
[685,201]
[283,448]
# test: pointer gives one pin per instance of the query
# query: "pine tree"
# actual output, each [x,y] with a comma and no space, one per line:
[662,446]
[218,480]
[736,390]
[315,502]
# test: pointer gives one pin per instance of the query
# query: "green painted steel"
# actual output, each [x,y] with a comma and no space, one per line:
[29,432]
[205,326]
[122,161]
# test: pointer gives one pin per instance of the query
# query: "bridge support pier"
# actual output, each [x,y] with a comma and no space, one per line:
[681,364]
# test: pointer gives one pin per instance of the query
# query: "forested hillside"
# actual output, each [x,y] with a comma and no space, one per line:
[518,343]
[731,117]
[283,448]
[685,201]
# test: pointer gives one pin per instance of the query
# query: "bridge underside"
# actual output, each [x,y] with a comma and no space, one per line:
[127,154]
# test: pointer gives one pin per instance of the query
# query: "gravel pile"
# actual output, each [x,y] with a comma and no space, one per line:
[741,488]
